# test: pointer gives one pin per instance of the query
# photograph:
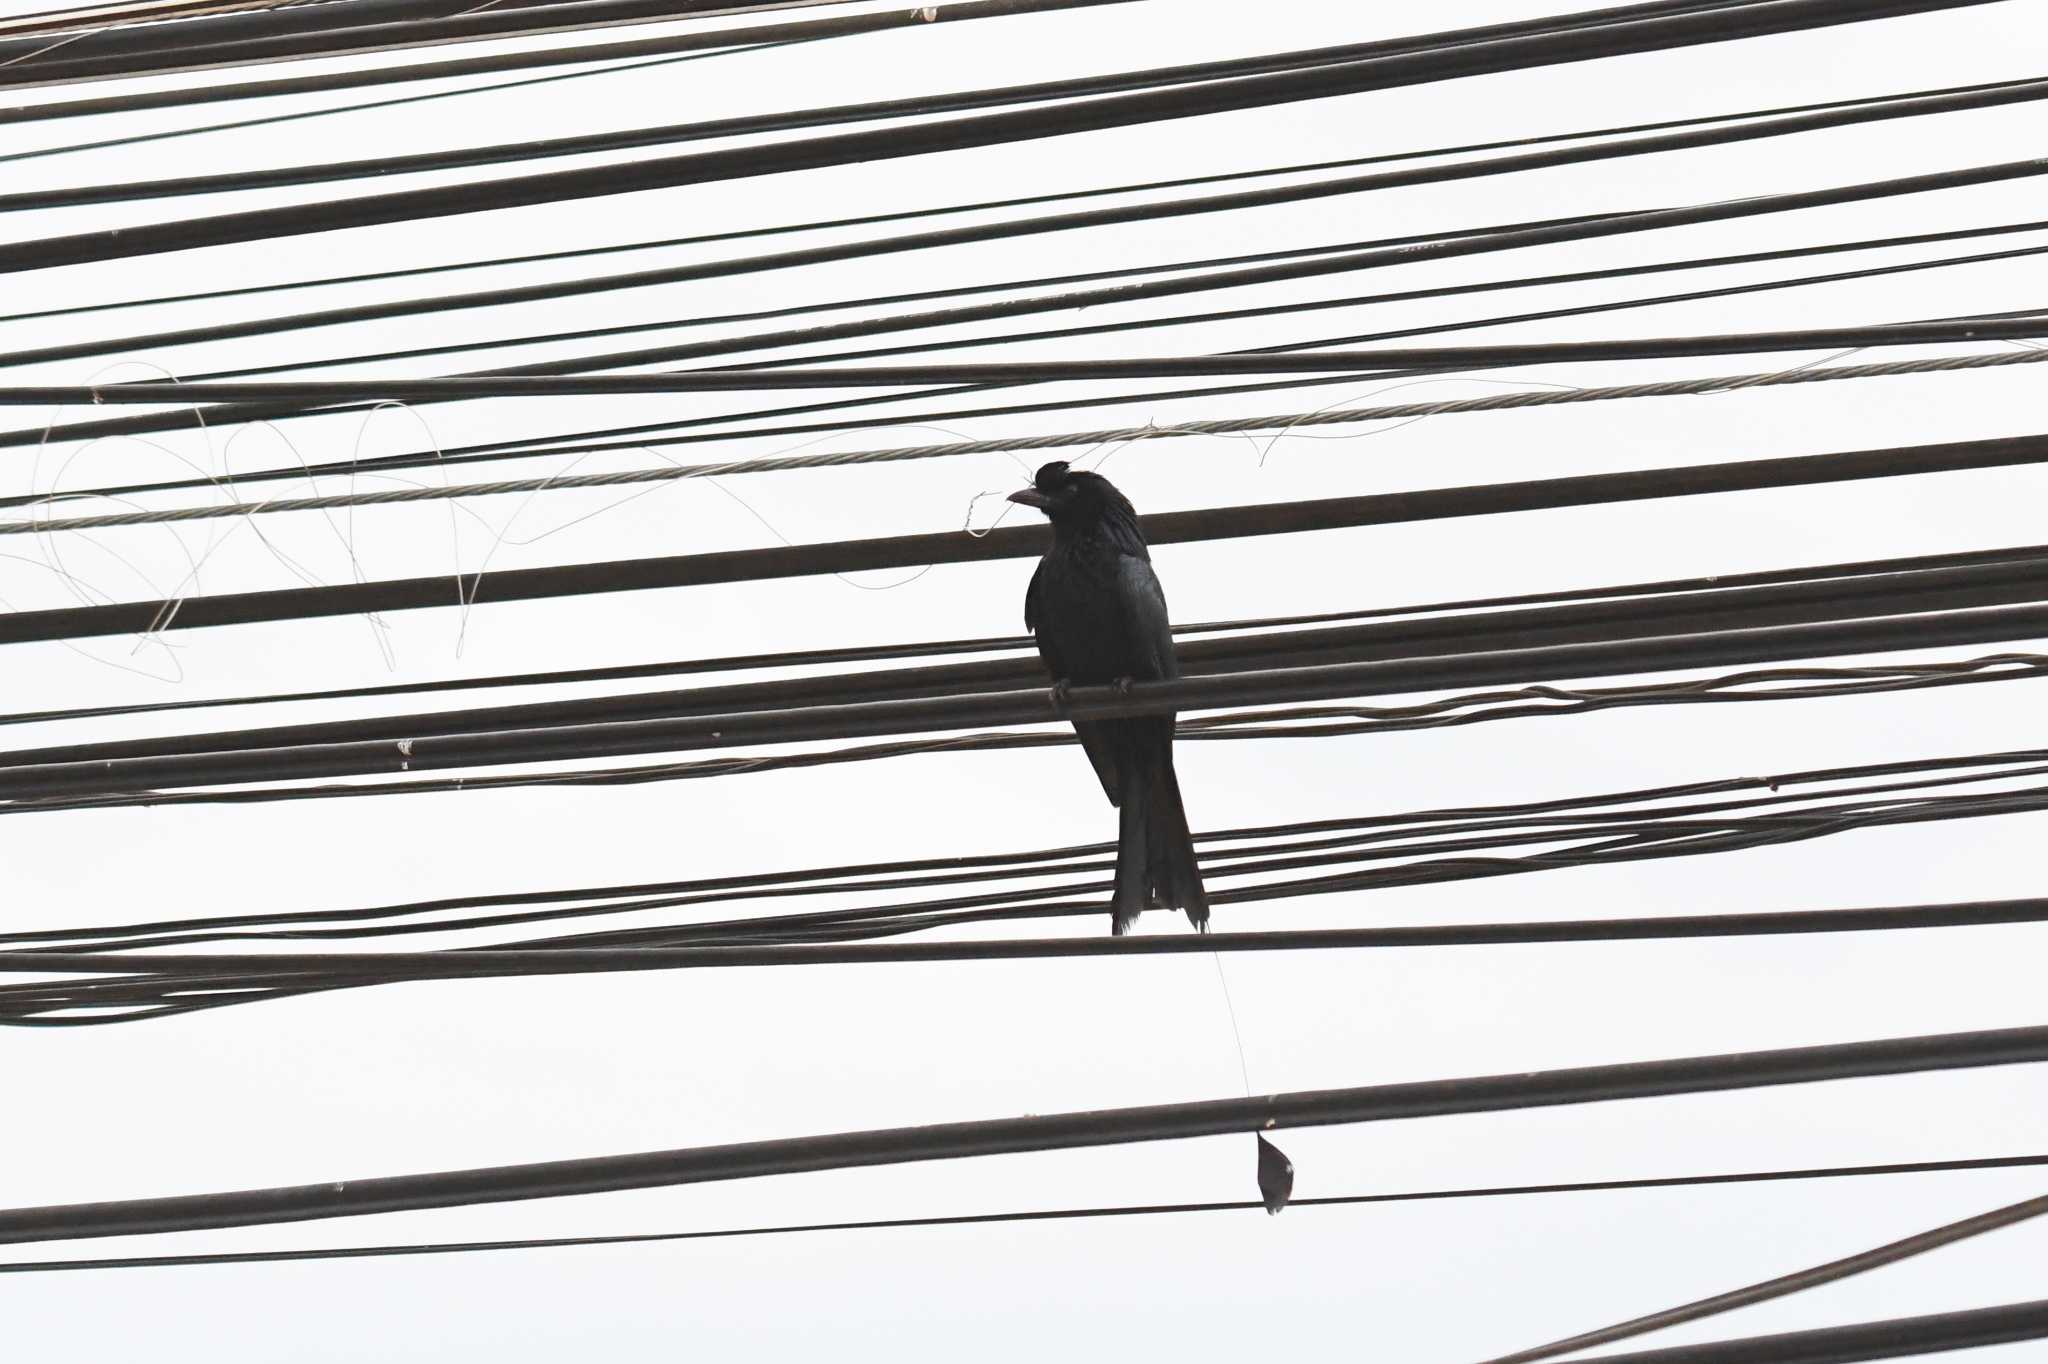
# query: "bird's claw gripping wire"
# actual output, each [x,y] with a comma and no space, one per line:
[1062,693]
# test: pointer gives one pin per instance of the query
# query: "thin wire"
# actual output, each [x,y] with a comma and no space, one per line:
[1045,1215]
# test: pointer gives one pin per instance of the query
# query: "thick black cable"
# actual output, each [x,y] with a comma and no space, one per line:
[1865,1340]
[1899,107]
[1006,543]
[1800,1281]
[1021,643]
[745,125]
[1244,313]
[1377,361]
[1806,615]
[1040,1215]
[434,750]
[1570,832]
[1504,239]
[225,980]
[1113,111]
[986,205]
[1059,1131]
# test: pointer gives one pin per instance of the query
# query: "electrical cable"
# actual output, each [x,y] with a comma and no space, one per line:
[207,44]
[1227,314]
[1038,92]
[1282,425]
[1005,543]
[1014,202]
[1021,643]
[1753,19]
[1042,1132]
[1041,1215]
[300,116]
[1865,1340]
[1506,239]
[1783,1285]
[1676,821]
[799,31]
[1381,361]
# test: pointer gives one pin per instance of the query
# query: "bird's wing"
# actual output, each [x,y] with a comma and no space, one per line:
[1151,632]
[1098,745]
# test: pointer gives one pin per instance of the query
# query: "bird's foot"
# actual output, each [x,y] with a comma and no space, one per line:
[1062,693]
[1122,685]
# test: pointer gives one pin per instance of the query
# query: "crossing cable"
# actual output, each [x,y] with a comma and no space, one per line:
[871,219]
[1019,643]
[447,743]
[804,30]
[1037,92]
[1899,107]
[1039,1215]
[1817,1276]
[1427,847]
[1113,111]
[158,986]
[865,111]
[1007,543]
[1283,424]
[1508,239]
[1043,1132]
[1207,316]
[302,115]
[1345,258]
[203,44]
[1381,361]
[1931,1334]
[194,56]
[1770,623]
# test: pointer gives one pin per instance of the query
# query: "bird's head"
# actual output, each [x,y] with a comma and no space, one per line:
[1074,498]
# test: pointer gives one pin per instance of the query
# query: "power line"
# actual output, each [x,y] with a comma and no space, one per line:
[986,205]
[1044,1132]
[1754,19]
[1833,1271]
[1211,315]
[749,125]
[1866,1340]
[1020,643]
[206,44]
[1369,853]
[1381,361]
[800,31]
[1004,543]
[1041,1215]
[1505,239]
[299,116]
[837,459]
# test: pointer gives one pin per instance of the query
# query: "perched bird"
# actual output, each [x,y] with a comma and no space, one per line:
[1099,617]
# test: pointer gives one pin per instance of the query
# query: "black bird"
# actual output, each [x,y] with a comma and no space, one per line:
[1099,617]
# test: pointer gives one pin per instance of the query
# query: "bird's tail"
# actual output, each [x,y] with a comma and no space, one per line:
[1155,857]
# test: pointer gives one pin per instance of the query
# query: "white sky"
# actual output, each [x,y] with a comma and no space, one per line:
[446,1076]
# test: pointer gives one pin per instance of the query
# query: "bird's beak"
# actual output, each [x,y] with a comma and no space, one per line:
[1031,497]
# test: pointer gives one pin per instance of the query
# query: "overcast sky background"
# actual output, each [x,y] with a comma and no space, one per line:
[444,1076]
